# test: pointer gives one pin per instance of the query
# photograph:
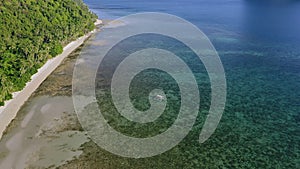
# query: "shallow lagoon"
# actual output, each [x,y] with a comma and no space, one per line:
[260,125]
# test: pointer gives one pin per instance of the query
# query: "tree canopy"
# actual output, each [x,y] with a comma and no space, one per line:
[31,32]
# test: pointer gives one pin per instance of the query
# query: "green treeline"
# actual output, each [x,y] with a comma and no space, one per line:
[31,32]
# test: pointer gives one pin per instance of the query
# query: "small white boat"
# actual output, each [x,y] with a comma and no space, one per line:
[159,97]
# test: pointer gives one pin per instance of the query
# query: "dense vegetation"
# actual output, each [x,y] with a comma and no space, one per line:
[31,32]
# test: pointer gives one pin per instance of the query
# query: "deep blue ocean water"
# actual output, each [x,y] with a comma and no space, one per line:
[259,46]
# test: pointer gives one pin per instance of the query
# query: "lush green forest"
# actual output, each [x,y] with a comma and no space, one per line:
[32,31]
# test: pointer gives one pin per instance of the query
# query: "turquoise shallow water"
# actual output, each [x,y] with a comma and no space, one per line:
[258,46]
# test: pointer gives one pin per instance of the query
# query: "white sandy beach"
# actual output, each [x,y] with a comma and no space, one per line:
[9,111]
[98,22]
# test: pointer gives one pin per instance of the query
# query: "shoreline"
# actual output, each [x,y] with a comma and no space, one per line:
[11,107]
